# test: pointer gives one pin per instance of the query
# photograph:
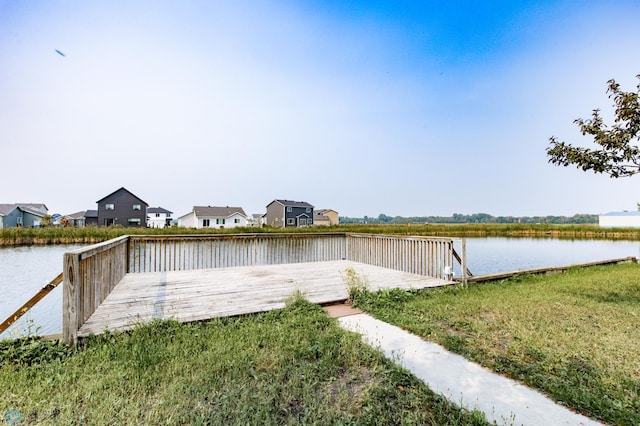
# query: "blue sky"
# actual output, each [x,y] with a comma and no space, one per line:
[402,108]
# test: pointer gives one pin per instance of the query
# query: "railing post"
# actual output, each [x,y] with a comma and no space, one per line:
[463,264]
[127,254]
[71,298]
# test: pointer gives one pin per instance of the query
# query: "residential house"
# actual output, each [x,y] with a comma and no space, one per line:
[157,217]
[213,217]
[256,219]
[22,214]
[76,220]
[122,207]
[620,220]
[91,218]
[287,213]
[326,217]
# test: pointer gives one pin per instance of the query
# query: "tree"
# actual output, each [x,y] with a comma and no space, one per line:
[618,154]
[46,221]
[383,218]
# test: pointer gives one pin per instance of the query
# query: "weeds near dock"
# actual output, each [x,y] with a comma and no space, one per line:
[27,348]
[356,284]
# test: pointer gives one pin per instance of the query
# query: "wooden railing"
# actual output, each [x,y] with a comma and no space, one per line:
[186,252]
[431,256]
[92,272]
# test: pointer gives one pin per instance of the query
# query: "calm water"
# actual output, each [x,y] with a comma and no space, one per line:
[24,270]
[490,255]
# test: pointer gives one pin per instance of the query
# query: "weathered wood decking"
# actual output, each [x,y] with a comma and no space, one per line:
[132,279]
[208,293]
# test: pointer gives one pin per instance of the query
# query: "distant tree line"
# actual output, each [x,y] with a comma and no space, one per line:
[473,218]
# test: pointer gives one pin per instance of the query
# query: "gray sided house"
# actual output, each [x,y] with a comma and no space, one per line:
[287,213]
[91,218]
[123,208]
[22,214]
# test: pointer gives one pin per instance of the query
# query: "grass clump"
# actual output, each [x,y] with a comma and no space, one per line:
[356,284]
[574,336]
[289,366]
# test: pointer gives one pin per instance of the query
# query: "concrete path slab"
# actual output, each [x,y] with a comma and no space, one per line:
[467,384]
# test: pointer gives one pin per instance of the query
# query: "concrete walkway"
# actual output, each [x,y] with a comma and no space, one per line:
[504,401]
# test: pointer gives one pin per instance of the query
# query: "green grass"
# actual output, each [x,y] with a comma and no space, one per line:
[574,336]
[93,234]
[290,366]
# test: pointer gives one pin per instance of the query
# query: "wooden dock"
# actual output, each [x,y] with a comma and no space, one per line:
[133,279]
[208,293]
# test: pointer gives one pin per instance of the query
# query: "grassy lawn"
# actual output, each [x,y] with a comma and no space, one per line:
[290,366]
[574,336]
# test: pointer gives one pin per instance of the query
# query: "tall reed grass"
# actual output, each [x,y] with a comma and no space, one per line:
[93,234]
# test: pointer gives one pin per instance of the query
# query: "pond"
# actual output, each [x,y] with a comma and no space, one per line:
[24,270]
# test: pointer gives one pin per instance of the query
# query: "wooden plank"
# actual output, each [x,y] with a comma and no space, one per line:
[208,293]
[99,247]
[31,302]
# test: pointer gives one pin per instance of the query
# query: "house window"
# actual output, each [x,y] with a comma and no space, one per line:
[291,221]
[134,221]
[289,209]
[236,220]
[109,206]
[303,221]
[157,214]
[136,207]
[308,209]
[219,221]
[205,223]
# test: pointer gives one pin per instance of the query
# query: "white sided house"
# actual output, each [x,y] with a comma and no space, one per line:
[213,217]
[620,220]
[157,217]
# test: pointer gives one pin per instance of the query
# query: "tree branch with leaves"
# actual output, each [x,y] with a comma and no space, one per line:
[618,154]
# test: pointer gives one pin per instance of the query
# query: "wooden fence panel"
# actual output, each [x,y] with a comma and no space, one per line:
[89,275]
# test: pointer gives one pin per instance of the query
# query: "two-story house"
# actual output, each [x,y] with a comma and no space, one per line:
[287,213]
[157,217]
[326,217]
[213,217]
[121,207]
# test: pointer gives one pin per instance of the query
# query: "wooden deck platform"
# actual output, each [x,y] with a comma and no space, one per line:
[203,294]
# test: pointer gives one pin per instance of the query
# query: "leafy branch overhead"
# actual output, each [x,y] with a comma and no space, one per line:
[617,154]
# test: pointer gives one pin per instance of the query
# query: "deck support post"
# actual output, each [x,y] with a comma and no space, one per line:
[71,298]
